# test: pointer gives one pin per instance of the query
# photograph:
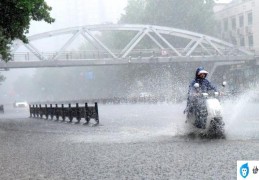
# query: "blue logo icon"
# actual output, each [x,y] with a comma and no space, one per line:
[244,170]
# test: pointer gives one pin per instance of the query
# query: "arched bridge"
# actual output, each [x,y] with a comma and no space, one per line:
[139,44]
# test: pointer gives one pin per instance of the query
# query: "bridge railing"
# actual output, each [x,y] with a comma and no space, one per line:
[96,54]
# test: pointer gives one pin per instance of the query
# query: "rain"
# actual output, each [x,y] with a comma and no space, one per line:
[128,65]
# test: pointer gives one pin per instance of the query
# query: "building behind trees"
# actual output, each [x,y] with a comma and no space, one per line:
[238,23]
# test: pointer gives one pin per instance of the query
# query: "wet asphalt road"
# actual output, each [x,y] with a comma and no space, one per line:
[138,141]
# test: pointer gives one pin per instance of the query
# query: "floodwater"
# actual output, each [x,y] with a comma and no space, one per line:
[133,141]
[144,122]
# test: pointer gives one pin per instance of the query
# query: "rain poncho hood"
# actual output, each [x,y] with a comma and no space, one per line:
[200,70]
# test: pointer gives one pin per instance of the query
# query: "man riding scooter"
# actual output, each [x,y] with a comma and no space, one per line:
[194,106]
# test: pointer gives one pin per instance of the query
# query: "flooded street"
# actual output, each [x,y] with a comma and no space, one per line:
[133,141]
[141,61]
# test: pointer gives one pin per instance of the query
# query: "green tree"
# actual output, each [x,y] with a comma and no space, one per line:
[15,18]
[192,15]
[134,12]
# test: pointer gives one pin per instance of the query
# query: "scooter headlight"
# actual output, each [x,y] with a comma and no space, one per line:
[205,95]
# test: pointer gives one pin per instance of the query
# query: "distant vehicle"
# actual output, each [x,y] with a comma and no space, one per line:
[145,95]
[21,104]
[1,108]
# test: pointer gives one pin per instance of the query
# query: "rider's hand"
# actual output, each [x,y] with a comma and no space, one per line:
[195,94]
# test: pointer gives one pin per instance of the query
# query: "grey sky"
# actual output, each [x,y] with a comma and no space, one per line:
[69,13]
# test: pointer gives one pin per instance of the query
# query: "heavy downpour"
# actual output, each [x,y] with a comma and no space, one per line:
[129,89]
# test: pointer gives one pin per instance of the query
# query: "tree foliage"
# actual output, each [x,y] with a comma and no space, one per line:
[193,15]
[15,18]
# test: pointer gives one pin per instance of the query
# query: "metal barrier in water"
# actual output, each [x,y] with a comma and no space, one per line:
[69,112]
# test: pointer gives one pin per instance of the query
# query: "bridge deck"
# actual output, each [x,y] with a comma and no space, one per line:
[122,61]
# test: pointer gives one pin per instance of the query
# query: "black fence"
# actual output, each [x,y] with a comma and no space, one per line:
[77,112]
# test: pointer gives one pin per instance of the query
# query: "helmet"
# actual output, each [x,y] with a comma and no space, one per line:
[201,70]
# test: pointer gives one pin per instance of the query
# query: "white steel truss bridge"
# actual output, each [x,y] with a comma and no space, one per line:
[139,44]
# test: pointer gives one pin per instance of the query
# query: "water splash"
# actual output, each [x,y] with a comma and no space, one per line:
[240,115]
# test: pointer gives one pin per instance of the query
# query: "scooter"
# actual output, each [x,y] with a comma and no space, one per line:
[204,116]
